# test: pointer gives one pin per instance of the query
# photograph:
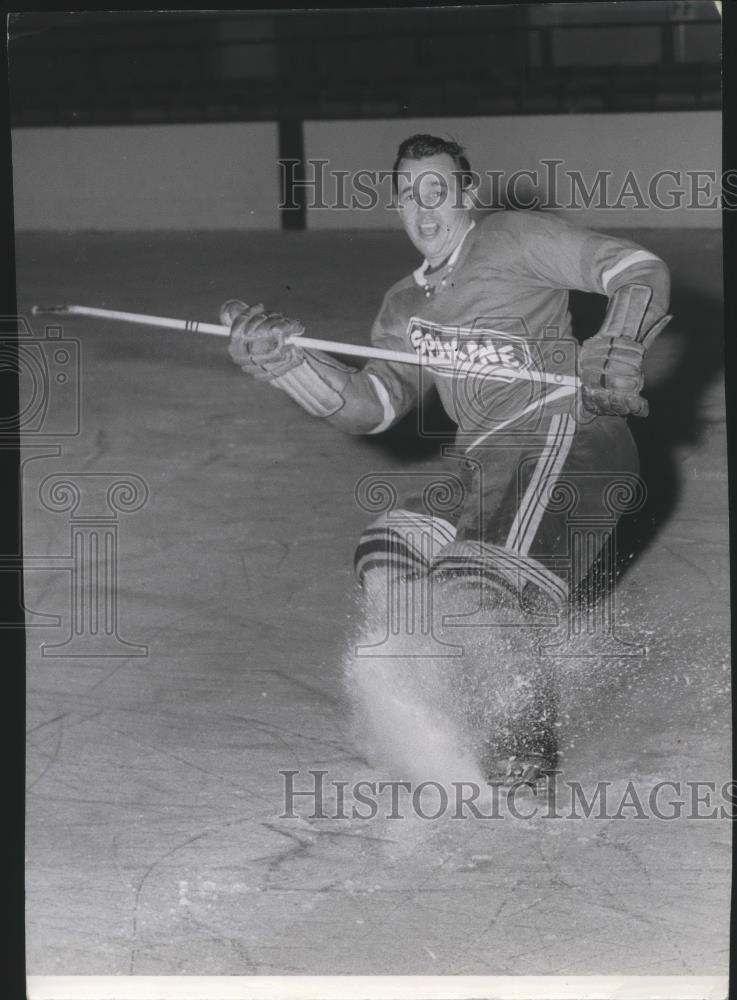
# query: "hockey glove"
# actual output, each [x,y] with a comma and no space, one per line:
[611,376]
[610,363]
[258,339]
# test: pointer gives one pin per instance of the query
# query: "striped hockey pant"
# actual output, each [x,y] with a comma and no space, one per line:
[508,510]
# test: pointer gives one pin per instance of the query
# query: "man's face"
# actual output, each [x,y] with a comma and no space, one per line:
[434,210]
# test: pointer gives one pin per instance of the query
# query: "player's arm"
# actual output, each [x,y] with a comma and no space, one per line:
[358,401]
[637,284]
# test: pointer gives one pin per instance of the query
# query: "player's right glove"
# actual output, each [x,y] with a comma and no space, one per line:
[260,343]
[319,383]
[258,339]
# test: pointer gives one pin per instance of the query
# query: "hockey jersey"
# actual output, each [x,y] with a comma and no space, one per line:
[500,301]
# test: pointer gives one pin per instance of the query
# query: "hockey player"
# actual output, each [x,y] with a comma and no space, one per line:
[488,293]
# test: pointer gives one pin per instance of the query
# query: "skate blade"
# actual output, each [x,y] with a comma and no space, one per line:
[535,776]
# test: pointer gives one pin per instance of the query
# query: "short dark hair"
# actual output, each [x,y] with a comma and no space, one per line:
[416,147]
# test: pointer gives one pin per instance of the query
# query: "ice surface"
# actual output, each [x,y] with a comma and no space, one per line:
[157,842]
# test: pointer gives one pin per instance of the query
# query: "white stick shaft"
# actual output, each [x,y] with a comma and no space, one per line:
[444,367]
[128,317]
[355,350]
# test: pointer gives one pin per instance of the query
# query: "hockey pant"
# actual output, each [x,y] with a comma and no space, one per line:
[527,513]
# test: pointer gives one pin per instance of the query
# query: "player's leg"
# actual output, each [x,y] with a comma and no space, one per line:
[602,459]
[402,543]
[514,536]
[397,549]
[525,495]
[512,481]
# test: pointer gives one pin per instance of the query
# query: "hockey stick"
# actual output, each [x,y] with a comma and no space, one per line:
[190,325]
[334,347]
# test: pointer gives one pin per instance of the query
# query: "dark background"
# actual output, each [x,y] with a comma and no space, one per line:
[114,67]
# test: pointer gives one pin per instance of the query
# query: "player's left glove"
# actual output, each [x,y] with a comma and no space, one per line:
[610,369]
[610,363]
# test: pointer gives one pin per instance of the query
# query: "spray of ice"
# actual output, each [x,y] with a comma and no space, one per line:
[426,703]
[419,717]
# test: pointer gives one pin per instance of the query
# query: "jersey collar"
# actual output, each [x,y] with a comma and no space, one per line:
[419,274]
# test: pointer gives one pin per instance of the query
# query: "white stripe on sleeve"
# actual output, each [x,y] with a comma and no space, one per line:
[636,257]
[386,405]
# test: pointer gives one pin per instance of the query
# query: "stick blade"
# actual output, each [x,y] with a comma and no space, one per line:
[50,310]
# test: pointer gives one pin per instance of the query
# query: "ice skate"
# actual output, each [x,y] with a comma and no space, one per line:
[533,771]
[523,750]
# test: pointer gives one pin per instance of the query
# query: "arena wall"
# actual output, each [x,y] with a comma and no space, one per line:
[641,143]
[134,177]
[225,176]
